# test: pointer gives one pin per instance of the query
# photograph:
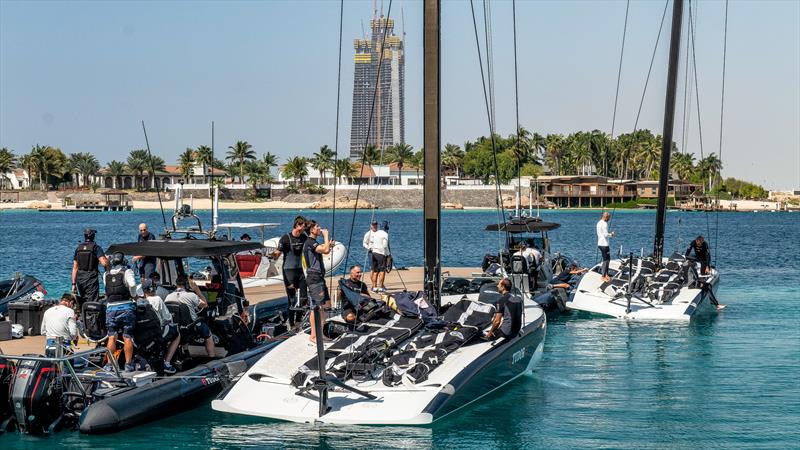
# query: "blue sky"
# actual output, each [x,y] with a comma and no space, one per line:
[82,75]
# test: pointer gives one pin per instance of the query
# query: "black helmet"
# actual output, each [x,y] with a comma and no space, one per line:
[118,259]
[385,225]
[89,233]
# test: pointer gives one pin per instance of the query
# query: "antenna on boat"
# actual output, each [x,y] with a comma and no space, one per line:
[669,121]
[153,168]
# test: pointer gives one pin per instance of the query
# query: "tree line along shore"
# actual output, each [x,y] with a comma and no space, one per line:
[631,156]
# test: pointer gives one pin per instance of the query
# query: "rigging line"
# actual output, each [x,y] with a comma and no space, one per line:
[498,200]
[336,134]
[487,19]
[685,94]
[153,168]
[650,69]
[696,85]
[366,138]
[721,116]
[619,70]
[516,96]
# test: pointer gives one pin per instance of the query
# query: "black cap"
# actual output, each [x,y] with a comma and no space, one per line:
[89,231]
[374,222]
[245,237]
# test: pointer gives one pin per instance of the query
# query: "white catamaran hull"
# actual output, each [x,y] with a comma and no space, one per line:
[688,303]
[467,374]
[270,272]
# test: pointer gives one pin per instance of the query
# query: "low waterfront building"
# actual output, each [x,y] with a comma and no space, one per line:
[597,191]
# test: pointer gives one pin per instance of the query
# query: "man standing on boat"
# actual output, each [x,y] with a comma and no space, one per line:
[380,254]
[369,239]
[315,271]
[85,263]
[602,242]
[145,264]
[120,307]
[294,279]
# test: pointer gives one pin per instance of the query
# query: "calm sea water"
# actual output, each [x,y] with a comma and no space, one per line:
[730,381]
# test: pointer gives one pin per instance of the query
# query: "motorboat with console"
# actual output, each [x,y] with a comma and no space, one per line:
[654,287]
[57,391]
[19,288]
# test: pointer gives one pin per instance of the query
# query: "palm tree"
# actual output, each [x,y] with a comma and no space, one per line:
[322,161]
[116,169]
[186,163]
[154,164]
[295,169]
[372,154]
[710,167]
[241,152]
[555,150]
[7,162]
[138,164]
[537,144]
[343,169]
[400,153]
[580,151]
[682,165]
[419,161]
[270,161]
[50,162]
[452,157]
[203,157]
[256,174]
[84,164]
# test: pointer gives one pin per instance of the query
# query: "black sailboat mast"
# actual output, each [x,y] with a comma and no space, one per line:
[431,143]
[669,120]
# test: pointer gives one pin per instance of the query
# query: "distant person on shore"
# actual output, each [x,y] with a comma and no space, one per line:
[369,240]
[290,246]
[701,253]
[602,242]
[380,254]
[315,271]
[85,263]
[59,322]
[145,264]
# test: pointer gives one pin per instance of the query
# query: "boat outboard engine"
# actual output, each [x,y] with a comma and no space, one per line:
[36,393]
[6,374]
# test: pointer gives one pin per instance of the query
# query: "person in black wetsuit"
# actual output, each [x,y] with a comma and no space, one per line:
[315,271]
[508,316]
[85,264]
[294,279]
[354,283]
[701,253]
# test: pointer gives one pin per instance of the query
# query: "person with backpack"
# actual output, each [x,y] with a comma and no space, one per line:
[86,261]
[120,308]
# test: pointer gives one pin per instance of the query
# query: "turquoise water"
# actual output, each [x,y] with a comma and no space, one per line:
[730,381]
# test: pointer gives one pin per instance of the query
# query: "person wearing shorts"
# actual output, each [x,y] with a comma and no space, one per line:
[294,279]
[315,271]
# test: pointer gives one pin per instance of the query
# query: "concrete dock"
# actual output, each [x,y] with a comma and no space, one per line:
[396,280]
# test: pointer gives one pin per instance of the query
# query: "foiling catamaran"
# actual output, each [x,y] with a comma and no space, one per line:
[394,368]
[656,287]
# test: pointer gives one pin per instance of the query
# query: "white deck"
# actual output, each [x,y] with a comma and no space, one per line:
[688,303]
[265,390]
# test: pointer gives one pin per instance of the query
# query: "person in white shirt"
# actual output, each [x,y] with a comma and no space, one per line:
[369,238]
[59,322]
[196,302]
[602,242]
[170,331]
[380,252]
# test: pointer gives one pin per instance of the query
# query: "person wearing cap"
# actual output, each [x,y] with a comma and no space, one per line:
[85,264]
[380,252]
[120,308]
[567,279]
[145,264]
[59,322]
[369,239]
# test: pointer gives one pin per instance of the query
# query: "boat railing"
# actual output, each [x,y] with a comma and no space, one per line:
[66,361]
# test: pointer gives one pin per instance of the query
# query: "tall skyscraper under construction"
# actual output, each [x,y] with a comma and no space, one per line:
[387,126]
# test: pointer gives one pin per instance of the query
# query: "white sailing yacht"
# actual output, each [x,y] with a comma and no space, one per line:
[655,287]
[396,369]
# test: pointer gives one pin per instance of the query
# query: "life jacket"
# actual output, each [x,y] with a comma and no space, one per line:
[85,255]
[115,285]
